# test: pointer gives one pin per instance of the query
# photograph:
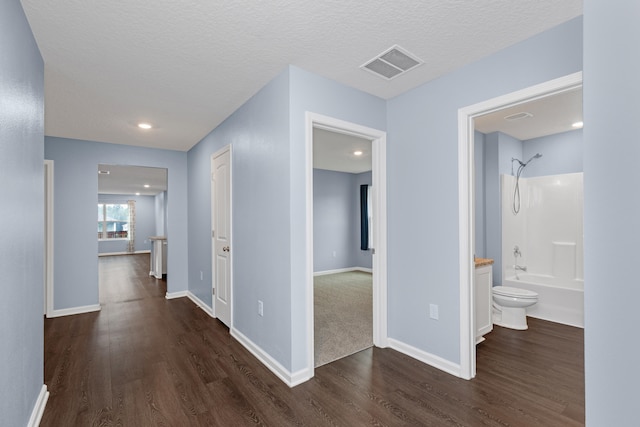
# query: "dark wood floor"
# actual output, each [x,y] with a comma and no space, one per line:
[144,361]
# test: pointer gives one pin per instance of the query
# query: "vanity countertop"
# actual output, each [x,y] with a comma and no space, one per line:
[481,262]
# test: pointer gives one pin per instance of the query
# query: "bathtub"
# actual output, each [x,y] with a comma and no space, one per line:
[560,301]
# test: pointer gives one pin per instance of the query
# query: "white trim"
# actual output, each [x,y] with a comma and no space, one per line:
[466,232]
[38,408]
[147,251]
[48,271]
[291,379]
[197,301]
[75,310]
[343,270]
[379,186]
[228,148]
[174,295]
[425,357]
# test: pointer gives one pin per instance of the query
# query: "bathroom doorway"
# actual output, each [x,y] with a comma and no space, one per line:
[467,118]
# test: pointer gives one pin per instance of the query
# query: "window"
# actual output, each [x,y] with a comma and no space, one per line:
[113,221]
[366,218]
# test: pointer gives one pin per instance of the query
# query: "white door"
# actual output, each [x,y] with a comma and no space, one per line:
[221,234]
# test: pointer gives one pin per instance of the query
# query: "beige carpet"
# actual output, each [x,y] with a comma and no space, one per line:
[343,315]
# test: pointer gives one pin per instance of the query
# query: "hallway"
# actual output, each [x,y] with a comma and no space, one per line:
[144,360]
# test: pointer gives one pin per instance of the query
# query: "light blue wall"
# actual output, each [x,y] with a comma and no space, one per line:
[259,135]
[612,211]
[160,214]
[21,214]
[497,162]
[478,148]
[561,153]
[423,180]
[145,223]
[76,196]
[361,258]
[336,220]
[310,92]
[334,216]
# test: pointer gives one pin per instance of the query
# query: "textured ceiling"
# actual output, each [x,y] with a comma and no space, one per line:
[185,66]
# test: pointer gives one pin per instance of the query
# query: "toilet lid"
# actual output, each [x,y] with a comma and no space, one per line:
[508,291]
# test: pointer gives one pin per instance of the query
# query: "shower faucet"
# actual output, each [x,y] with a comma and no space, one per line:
[516,251]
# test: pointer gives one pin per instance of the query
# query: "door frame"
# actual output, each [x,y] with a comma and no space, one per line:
[466,198]
[48,238]
[217,153]
[379,194]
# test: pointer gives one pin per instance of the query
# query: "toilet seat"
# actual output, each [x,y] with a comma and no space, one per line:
[507,291]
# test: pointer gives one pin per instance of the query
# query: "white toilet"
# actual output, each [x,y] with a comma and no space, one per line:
[509,306]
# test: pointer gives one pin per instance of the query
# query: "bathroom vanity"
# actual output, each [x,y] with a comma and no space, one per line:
[483,298]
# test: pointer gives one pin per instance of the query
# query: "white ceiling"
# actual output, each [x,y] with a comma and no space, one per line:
[334,151]
[131,180]
[549,115]
[185,66]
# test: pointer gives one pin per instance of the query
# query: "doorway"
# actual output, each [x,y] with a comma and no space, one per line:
[379,229]
[48,238]
[132,218]
[342,245]
[466,118]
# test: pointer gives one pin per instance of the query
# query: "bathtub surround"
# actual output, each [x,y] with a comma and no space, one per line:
[493,154]
[548,233]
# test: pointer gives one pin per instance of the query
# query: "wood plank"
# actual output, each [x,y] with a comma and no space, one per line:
[144,360]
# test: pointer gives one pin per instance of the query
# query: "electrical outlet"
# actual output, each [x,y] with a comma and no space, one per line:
[433,311]
[201,276]
[260,308]
[334,254]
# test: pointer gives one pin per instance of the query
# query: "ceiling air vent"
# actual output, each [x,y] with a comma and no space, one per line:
[392,62]
[518,116]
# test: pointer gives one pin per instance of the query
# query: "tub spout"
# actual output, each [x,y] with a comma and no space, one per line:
[520,267]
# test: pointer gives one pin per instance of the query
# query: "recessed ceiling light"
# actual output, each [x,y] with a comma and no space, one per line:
[146,186]
[577,125]
[144,126]
[357,153]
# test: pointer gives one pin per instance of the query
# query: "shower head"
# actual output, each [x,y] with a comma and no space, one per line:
[537,156]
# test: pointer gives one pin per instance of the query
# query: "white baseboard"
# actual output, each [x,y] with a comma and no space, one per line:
[74,310]
[38,408]
[290,379]
[147,251]
[174,295]
[197,301]
[342,270]
[425,357]
[273,365]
